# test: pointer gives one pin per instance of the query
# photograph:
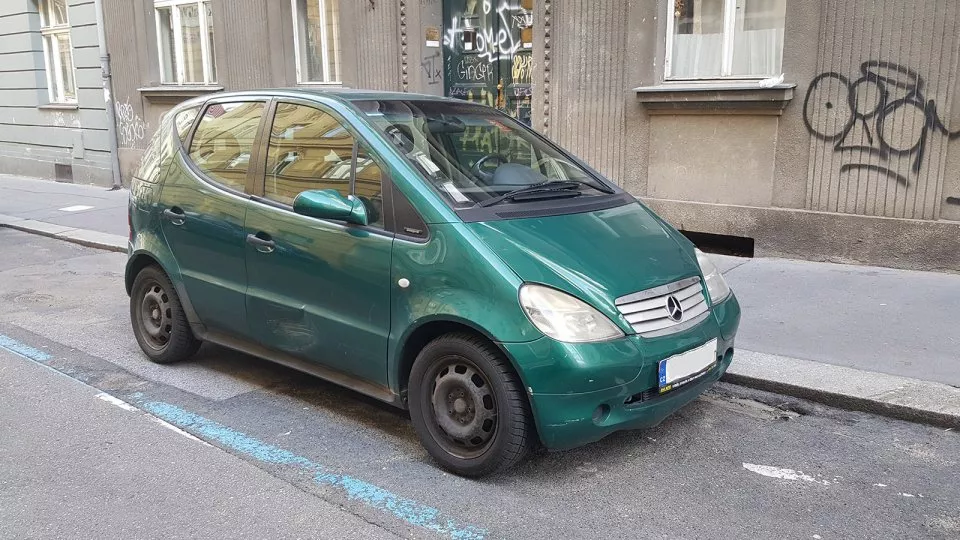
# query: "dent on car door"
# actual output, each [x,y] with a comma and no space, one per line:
[321,289]
[204,206]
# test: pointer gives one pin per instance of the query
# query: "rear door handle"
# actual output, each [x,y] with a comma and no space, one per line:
[263,245]
[174,216]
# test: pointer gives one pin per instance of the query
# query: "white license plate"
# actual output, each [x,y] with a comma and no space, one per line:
[684,367]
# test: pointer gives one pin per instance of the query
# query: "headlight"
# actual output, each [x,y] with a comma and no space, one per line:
[563,317]
[716,286]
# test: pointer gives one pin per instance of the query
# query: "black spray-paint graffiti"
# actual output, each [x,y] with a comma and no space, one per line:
[887,103]
[432,66]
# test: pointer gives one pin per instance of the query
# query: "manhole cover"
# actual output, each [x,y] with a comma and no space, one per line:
[33,298]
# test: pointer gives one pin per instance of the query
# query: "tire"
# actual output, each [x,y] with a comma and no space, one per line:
[158,320]
[483,422]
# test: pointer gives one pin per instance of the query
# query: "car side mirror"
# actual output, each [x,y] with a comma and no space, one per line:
[330,204]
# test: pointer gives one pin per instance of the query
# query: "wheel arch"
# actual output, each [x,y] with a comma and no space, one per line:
[143,258]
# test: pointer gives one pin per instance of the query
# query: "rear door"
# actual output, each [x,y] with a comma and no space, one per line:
[319,289]
[203,205]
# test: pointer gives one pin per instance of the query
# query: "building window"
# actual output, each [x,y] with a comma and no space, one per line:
[57,52]
[710,39]
[185,34]
[316,25]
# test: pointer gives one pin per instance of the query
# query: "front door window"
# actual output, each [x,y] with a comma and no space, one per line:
[311,149]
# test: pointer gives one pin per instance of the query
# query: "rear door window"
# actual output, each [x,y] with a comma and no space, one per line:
[223,142]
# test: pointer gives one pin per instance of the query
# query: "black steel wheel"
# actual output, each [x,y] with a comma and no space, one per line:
[159,323]
[468,406]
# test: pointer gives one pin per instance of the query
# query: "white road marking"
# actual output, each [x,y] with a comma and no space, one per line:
[76,208]
[113,400]
[784,474]
[117,401]
[174,428]
[880,485]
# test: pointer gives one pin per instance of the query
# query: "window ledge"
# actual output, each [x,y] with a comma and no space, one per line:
[715,98]
[59,107]
[177,93]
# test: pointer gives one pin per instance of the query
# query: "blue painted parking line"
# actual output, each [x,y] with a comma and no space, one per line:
[371,495]
[355,489]
[23,349]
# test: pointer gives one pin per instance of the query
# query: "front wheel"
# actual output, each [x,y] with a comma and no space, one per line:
[159,323]
[468,406]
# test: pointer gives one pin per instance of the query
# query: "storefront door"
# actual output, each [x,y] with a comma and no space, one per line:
[488,53]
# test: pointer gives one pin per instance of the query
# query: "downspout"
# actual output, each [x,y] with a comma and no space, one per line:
[108,96]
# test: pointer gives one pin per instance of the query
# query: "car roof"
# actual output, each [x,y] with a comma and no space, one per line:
[341,94]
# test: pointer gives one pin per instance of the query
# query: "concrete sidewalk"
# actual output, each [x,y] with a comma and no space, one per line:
[860,337]
[88,215]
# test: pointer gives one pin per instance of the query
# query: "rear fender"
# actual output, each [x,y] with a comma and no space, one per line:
[148,248]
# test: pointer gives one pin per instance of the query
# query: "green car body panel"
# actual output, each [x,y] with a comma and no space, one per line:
[330,294]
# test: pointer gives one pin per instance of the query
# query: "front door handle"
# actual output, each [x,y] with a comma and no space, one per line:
[263,245]
[174,215]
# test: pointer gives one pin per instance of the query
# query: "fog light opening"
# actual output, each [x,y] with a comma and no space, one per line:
[601,413]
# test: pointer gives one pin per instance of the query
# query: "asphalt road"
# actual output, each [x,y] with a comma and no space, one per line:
[294,449]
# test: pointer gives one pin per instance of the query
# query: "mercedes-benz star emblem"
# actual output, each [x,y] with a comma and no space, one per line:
[674,309]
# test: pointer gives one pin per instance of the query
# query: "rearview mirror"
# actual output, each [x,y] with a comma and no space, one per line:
[330,204]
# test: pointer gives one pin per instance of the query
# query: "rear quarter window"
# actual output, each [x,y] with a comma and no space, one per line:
[150,162]
[183,121]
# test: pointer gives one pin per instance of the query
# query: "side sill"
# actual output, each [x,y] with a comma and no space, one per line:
[337,377]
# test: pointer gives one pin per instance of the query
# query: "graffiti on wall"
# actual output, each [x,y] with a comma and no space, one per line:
[432,66]
[131,129]
[881,119]
[491,42]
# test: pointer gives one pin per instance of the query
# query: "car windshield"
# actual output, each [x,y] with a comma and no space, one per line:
[475,155]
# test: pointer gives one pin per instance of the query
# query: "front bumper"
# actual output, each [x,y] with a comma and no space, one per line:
[572,420]
[598,399]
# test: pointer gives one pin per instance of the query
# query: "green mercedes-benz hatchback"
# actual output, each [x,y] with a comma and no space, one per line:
[432,253]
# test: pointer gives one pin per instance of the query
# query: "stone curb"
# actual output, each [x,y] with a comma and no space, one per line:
[893,396]
[84,237]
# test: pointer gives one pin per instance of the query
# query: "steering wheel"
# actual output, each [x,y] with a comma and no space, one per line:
[477,168]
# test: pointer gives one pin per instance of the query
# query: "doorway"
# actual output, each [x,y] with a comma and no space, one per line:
[488,53]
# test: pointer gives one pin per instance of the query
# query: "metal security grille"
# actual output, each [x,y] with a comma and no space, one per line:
[665,309]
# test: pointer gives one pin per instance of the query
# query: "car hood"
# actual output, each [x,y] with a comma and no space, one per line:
[597,256]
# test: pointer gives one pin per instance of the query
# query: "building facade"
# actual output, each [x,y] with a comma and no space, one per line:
[820,129]
[52,114]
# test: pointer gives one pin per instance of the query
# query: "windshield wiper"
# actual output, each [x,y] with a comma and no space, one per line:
[545,187]
[542,187]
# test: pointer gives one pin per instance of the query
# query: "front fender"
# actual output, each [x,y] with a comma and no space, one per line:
[453,277]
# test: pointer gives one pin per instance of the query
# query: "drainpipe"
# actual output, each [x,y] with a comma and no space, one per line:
[108,96]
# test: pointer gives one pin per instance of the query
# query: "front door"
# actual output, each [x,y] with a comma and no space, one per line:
[319,289]
[488,53]
[204,205]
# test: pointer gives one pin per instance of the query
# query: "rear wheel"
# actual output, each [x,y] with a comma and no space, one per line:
[159,323]
[468,406]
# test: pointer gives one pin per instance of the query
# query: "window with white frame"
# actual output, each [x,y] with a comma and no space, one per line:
[316,25]
[57,52]
[710,39]
[185,35]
